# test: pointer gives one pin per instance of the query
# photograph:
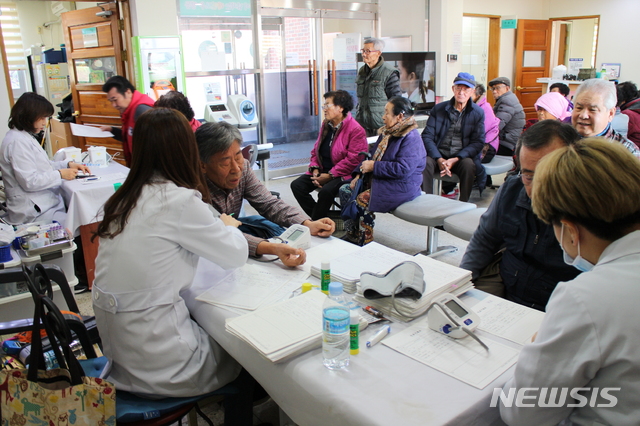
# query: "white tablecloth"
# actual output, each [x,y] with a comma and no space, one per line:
[85,200]
[380,386]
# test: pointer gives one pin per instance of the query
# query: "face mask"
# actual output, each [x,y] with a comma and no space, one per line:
[580,263]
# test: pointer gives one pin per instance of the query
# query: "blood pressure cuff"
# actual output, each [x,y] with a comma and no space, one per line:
[406,279]
[260,227]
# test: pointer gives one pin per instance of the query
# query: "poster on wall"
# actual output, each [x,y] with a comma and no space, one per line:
[574,65]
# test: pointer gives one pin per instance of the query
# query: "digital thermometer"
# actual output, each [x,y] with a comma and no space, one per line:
[449,315]
[297,236]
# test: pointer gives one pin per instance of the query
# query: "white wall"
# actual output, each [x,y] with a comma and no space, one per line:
[581,40]
[32,15]
[148,19]
[521,9]
[619,31]
[5,107]
[406,20]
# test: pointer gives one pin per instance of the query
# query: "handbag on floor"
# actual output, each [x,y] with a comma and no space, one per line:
[63,395]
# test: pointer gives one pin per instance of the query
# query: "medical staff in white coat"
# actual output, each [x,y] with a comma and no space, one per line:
[155,228]
[585,362]
[31,181]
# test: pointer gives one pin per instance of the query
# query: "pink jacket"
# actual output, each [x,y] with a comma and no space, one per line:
[491,123]
[347,143]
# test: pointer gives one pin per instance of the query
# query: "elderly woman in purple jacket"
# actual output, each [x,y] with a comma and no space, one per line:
[333,157]
[391,177]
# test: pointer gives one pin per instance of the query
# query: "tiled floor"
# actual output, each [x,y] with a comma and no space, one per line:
[389,230]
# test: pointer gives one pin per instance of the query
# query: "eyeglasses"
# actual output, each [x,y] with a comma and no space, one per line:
[527,178]
[367,51]
[461,88]
[327,106]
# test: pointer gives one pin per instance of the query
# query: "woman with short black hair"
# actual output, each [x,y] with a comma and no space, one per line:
[31,181]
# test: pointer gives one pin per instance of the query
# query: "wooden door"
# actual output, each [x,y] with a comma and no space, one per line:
[533,43]
[95,53]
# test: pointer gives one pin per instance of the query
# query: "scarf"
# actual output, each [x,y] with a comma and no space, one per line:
[401,128]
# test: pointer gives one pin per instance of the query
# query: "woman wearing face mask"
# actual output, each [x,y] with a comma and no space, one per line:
[588,338]
[32,182]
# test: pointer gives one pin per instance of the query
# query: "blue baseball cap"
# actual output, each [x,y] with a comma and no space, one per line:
[466,79]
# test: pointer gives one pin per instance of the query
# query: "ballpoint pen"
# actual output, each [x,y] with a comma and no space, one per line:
[379,336]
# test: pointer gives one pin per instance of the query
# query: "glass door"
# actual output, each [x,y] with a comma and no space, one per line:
[307,49]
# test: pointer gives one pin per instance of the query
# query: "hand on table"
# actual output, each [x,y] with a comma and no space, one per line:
[68,174]
[106,129]
[79,166]
[288,255]
[322,227]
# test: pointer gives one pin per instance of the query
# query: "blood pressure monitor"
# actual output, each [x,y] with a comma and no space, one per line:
[449,315]
[297,236]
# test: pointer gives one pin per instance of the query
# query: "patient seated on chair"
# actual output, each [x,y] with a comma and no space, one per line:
[230,180]
[454,138]
[513,254]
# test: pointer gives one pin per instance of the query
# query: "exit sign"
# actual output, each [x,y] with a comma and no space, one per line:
[509,23]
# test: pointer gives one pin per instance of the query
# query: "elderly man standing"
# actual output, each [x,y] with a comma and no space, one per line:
[593,110]
[131,104]
[230,180]
[454,137]
[509,110]
[513,254]
[377,82]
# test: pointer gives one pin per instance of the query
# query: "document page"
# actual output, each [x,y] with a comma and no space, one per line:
[463,359]
[506,319]
[89,131]
[276,327]
[248,287]
[373,257]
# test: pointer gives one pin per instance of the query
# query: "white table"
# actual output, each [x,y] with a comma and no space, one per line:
[84,200]
[84,203]
[380,386]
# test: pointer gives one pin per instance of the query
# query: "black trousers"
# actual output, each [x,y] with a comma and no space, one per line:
[302,188]
[465,169]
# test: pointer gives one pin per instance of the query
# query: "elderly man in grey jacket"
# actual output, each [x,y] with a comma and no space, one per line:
[508,109]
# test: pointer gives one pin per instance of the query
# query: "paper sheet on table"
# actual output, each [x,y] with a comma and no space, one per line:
[89,131]
[250,286]
[283,329]
[463,359]
[507,319]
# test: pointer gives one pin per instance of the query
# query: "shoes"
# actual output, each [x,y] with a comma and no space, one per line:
[453,195]
[81,288]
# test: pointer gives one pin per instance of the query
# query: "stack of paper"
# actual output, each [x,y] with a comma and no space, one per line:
[439,278]
[253,286]
[283,330]
[348,262]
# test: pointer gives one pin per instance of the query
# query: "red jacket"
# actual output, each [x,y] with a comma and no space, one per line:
[347,143]
[632,109]
[128,122]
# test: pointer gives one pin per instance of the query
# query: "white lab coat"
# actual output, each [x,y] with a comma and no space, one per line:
[31,181]
[588,338]
[155,348]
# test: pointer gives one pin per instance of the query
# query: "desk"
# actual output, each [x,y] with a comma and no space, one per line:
[84,201]
[380,386]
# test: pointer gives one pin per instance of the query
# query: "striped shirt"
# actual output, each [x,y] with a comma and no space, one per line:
[266,204]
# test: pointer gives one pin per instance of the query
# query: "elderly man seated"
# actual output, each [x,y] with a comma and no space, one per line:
[593,110]
[514,254]
[454,137]
[230,180]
